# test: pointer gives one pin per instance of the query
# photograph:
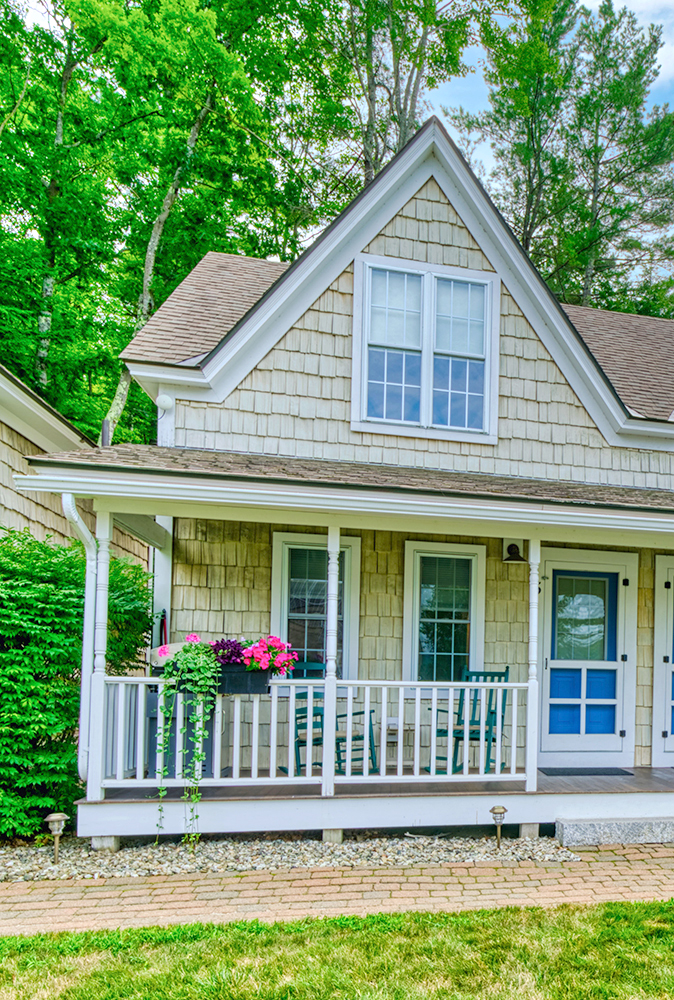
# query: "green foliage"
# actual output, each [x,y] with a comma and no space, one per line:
[41,610]
[584,169]
[615,951]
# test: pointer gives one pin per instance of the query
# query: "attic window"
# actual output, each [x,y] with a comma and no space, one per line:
[427,339]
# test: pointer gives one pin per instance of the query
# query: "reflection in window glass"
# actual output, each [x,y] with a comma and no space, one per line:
[307,610]
[581,617]
[459,323]
[394,385]
[444,618]
[395,309]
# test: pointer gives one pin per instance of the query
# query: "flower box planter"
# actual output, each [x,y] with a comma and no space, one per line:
[235,679]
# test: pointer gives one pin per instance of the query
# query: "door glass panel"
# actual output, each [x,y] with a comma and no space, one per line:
[565,683]
[600,719]
[444,618]
[584,613]
[601,683]
[565,718]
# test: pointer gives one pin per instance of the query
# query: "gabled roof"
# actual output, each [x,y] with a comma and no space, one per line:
[430,154]
[204,307]
[637,354]
[29,415]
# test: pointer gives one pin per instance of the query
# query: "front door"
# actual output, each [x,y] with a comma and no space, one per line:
[663,663]
[588,670]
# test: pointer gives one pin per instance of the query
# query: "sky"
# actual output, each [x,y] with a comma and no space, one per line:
[471,91]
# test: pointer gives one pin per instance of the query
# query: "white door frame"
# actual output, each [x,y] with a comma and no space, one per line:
[663,652]
[626,564]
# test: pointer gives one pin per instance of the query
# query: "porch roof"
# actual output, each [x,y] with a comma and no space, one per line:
[137,459]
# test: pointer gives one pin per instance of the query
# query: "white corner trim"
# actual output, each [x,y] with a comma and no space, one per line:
[282,542]
[477,554]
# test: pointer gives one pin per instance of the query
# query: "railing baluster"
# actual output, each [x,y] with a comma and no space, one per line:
[434,729]
[255,741]
[401,731]
[140,731]
[273,734]
[181,737]
[161,722]
[349,729]
[483,721]
[466,728]
[499,730]
[382,734]
[366,731]
[417,730]
[513,738]
[309,749]
[217,737]
[236,738]
[121,741]
[292,723]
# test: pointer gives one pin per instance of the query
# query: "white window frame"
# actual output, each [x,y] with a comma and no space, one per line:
[414,550]
[363,266]
[282,542]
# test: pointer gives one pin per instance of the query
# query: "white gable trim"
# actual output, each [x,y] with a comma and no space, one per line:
[430,154]
[23,411]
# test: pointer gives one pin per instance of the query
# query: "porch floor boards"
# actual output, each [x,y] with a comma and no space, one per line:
[643,779]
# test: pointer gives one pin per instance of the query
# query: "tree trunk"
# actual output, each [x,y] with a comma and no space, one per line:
[146,301]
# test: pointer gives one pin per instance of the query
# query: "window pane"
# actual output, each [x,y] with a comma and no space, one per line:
[458,396]
[444,612]
[582,622]
[395,309]
[459,317]
[394,385]
[307,599]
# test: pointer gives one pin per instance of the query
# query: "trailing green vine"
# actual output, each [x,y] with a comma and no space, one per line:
[193,671]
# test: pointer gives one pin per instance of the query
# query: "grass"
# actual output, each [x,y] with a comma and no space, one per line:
[616,951]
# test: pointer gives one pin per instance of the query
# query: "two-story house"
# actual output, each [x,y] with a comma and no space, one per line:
[452,495]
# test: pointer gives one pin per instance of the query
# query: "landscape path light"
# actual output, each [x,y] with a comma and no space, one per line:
[498,813]
[56,823]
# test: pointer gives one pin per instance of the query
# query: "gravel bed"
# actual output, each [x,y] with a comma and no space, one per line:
[27,862]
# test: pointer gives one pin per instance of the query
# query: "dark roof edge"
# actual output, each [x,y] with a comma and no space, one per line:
[5,373]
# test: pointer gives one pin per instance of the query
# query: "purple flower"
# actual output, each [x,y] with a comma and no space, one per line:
[228,651]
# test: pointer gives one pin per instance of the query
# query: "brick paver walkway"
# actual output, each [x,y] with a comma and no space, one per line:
[611,872]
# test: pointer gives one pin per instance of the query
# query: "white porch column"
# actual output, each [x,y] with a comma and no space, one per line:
[97,711]
[532,694]
[91,550]
[330,696]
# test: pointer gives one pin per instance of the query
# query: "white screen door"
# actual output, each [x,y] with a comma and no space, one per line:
[588,657]
[663,664]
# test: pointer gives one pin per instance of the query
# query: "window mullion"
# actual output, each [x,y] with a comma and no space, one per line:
[427,344]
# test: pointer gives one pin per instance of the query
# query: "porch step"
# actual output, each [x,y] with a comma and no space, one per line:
[586,832]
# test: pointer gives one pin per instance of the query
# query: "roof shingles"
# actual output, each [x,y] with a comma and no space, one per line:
[142,459]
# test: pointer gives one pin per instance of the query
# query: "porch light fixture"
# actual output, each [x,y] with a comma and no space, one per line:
[513,552]
[56,823]
[498,815]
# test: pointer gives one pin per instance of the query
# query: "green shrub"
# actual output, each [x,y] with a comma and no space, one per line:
[41,615]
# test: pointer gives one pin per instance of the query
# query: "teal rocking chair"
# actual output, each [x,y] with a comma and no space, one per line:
[458,732]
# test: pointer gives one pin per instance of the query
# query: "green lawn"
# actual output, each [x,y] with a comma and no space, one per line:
[617,950]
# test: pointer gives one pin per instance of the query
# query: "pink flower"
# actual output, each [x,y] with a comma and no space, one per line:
[163,651]
[193,637]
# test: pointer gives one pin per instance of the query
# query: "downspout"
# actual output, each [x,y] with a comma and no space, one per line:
[91,549]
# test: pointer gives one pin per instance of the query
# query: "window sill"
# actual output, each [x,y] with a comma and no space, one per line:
[423,433]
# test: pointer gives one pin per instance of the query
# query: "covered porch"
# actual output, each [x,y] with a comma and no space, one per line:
[395,729]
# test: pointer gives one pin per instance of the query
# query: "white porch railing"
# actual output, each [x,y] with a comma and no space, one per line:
[384,731]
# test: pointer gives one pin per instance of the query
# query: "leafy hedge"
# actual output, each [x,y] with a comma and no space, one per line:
[41,614]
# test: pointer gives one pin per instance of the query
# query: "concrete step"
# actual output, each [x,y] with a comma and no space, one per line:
[586,832]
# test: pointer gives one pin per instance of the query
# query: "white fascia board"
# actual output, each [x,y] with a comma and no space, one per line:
[335,501]
[36,422]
